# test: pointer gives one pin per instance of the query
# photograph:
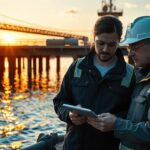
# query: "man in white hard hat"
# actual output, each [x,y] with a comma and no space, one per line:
[134,132]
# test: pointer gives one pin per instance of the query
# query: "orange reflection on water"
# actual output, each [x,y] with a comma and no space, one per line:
[6,81]
[43,75]
[2,146]
[17,86]
[21,80]
[15,145]
[11,124]
[6,65]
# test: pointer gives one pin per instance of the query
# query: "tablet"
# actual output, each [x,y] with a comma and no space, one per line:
[80,110]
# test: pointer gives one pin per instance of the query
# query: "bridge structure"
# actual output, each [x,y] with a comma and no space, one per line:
[48,50]
[41,31]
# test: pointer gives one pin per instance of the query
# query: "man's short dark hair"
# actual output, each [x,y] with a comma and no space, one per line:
[108,24]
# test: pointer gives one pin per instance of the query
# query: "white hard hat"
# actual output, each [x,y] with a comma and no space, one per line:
[138,30]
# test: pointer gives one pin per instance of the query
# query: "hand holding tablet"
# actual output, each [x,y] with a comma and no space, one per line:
[80,110]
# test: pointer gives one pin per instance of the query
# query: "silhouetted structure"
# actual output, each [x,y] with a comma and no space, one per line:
[108,8]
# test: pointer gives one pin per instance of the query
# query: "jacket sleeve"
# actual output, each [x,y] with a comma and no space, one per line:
[133,132]
[64,95]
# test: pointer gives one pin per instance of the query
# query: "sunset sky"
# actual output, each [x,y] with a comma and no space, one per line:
[77,16]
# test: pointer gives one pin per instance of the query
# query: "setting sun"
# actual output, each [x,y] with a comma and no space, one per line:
[9,39]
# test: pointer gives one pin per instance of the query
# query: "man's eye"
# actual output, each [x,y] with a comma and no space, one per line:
[112,44]
[101,43]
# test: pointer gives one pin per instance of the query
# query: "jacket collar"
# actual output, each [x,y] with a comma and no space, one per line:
[145,77]
[117,72]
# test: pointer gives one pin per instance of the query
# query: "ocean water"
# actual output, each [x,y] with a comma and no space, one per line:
[26,112]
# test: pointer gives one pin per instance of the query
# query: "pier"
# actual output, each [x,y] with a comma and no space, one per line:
[26,51]
[33,56]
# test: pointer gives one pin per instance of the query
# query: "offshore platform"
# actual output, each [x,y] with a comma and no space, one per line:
[109,8]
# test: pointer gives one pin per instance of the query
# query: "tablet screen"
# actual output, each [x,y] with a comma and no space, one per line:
[80,110]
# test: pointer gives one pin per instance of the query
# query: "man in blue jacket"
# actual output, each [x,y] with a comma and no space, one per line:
[134,132]
[101,81]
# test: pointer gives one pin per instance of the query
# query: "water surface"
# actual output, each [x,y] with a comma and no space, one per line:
[25,112]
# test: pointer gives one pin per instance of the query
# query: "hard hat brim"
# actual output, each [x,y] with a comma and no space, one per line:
[131,41]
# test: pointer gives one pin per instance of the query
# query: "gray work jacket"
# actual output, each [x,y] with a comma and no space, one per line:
[135,131]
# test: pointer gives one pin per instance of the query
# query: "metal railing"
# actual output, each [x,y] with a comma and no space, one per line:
[46,142]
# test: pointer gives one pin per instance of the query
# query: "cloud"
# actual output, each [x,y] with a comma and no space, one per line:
[147,6]
[72,10]
[130,5]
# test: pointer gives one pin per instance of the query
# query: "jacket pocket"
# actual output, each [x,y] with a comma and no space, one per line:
[140,110]
[79,90]
[119,96]
[117,89]
[140,99]
[79,83]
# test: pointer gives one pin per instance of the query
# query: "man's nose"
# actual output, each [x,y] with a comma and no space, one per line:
[105,48]
[131,53]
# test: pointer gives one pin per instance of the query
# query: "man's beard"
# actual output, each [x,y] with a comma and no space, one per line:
[108,58]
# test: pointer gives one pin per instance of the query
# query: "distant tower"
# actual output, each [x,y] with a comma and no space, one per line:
[108,8]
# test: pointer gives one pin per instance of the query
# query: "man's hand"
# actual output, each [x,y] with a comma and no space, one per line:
[76,118]
[105,122]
